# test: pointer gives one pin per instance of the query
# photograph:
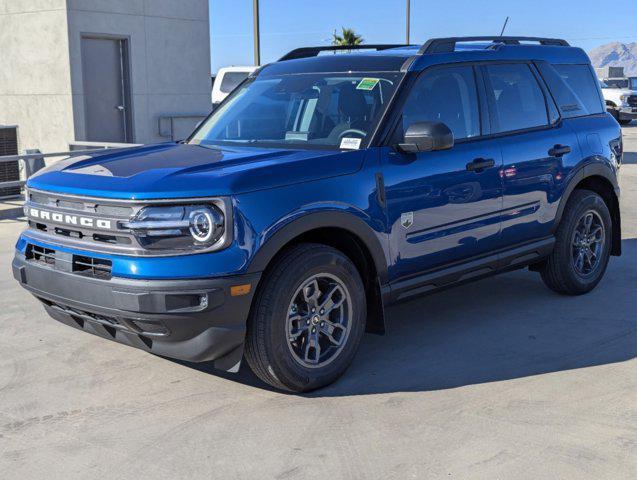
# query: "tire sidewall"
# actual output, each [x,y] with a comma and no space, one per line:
[282,363]
[591,201]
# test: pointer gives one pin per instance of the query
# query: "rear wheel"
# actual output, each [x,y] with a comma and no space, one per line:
[624,121]
[582,246]
[308,319]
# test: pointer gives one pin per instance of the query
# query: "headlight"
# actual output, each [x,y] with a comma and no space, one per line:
[624,98]
[181,227]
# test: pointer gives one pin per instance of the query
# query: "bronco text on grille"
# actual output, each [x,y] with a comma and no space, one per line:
[81,222]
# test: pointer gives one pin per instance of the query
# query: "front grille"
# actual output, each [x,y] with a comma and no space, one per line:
[78,264]
[68,228]
[80,205]
[632,101]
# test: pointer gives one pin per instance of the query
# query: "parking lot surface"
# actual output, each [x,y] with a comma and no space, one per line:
[499,379]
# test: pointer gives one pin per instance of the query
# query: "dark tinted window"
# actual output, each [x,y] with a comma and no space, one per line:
[581,81]
[518,99]
[445,95]
[567,101]
[616,82]
[231,80]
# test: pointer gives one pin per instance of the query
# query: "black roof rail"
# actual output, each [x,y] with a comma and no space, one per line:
[447,45]
[306,52]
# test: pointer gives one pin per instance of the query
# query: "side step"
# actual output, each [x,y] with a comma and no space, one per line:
[467,270]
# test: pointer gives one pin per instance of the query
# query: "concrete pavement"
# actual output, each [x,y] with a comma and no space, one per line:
[500,379]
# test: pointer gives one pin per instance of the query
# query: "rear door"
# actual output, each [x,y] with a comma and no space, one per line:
[535,147]
[441,209]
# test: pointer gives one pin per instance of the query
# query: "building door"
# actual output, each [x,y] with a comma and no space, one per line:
[106,89]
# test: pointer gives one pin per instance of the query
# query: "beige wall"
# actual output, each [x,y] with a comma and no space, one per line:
[41,78]
[35,92]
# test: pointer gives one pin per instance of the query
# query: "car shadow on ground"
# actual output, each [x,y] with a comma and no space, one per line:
[505,327]
[630,158]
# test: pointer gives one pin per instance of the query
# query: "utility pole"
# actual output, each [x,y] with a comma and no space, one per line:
[257,39]
[408,21]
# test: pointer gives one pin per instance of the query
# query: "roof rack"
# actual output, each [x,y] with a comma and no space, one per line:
[306,52]
[448,45]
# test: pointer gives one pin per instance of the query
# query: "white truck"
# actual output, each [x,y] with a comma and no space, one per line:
[227,79]
[620,94]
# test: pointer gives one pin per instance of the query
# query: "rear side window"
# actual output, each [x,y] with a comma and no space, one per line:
[231,80]
[446,95]
[517,97]
[583,85]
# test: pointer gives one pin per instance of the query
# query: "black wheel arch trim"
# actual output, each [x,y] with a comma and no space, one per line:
[596,169]
[317,220]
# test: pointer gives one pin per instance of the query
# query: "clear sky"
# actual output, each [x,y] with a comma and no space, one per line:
[287,24]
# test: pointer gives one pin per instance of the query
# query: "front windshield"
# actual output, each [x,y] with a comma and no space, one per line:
[317,110]
[617,82]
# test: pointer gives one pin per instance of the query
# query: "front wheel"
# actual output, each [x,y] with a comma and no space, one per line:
[308,319]
[582,246]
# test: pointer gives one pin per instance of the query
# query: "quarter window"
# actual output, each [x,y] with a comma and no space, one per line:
[581,81]
[517,97]
[446,95]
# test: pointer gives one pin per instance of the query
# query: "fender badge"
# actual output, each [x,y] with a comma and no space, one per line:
[407,219]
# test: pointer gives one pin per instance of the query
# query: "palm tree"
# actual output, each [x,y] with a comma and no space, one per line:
[348,37]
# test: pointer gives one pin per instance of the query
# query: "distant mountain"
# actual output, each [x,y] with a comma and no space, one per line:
[616,55]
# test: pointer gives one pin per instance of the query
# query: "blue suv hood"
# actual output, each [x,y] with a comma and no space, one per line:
[178,171]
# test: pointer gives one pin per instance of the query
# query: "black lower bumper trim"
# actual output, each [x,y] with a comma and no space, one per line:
[190,320]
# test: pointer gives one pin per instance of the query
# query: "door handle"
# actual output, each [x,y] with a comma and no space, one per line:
[559,150]
[120,108]
[480,164]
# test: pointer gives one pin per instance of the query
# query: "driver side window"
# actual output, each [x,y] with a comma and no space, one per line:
[448,95]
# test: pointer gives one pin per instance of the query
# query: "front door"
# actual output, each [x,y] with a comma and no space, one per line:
[443,206]
[106,90]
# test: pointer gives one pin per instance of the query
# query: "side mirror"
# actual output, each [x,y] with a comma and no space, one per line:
[426,137]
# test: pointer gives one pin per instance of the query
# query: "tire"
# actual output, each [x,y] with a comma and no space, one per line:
[567,270]
[624,122]
[282,330]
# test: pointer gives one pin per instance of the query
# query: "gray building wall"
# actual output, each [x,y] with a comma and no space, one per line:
[35,92]
[41,84]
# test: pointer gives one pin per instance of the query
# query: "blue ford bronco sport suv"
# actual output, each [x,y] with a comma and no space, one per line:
[325,188]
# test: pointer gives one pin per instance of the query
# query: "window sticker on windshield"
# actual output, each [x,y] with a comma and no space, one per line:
[367,83]
[351,143]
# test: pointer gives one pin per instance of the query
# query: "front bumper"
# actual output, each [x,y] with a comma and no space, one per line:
[191,320]
[627,113]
